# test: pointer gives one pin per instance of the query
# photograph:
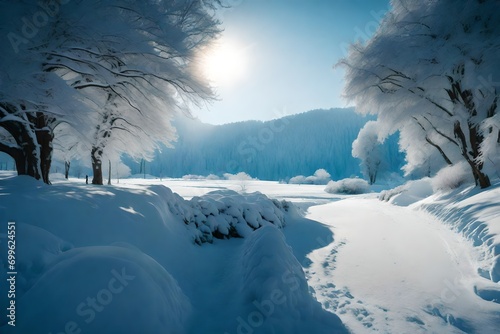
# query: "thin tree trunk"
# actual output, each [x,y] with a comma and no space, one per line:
[67,165]
[109,172]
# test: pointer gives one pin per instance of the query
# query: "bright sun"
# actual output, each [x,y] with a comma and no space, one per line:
[225,63]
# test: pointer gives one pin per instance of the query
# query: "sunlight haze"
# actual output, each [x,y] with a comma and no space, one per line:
[276,58]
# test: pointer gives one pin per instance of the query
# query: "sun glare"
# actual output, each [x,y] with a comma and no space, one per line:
[225,63]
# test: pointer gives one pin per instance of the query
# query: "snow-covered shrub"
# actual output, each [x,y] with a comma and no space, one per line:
[200,177]
[226,213]
[320,176]
[452,177]
[408,193]
[299,179]
[241,176]
[348,186]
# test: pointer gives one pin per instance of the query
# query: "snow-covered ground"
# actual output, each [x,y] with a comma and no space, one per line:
[125,259]
[397,270]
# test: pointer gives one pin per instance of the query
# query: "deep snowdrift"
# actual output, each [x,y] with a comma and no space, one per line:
[125,260]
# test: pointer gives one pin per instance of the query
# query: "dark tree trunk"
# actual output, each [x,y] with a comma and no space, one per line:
[45,143]
[67,165]
[472,154]
[96,155]
[109,172]
[481,179]
[44,137]
[25,155]
[17,155]
[33,156]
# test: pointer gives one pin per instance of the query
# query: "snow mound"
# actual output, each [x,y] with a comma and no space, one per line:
[275,288]
[90,288]
[408,193]
[38,248]
[226,213]
[348,186]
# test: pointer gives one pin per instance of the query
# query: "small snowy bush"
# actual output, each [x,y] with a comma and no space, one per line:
[452,177]
[408,193]
[241,176]
[348,186]
[320,176]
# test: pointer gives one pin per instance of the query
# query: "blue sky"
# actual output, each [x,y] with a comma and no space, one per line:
[290,47]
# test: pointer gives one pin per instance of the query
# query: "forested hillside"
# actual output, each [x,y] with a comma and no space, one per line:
[273,150]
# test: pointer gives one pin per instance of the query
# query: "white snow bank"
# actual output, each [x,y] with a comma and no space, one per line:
[348,186]
[468,210]
[320,176]
[89,289]
[275,289]
[475,214]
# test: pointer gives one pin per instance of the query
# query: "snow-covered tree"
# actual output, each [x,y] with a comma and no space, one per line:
[130,64]
[429,72]
[69,145]
[367,148]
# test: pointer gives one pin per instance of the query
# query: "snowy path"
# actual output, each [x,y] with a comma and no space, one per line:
[396,270]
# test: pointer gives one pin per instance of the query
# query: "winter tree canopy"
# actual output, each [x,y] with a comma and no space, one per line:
[431,71]
[114,71]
